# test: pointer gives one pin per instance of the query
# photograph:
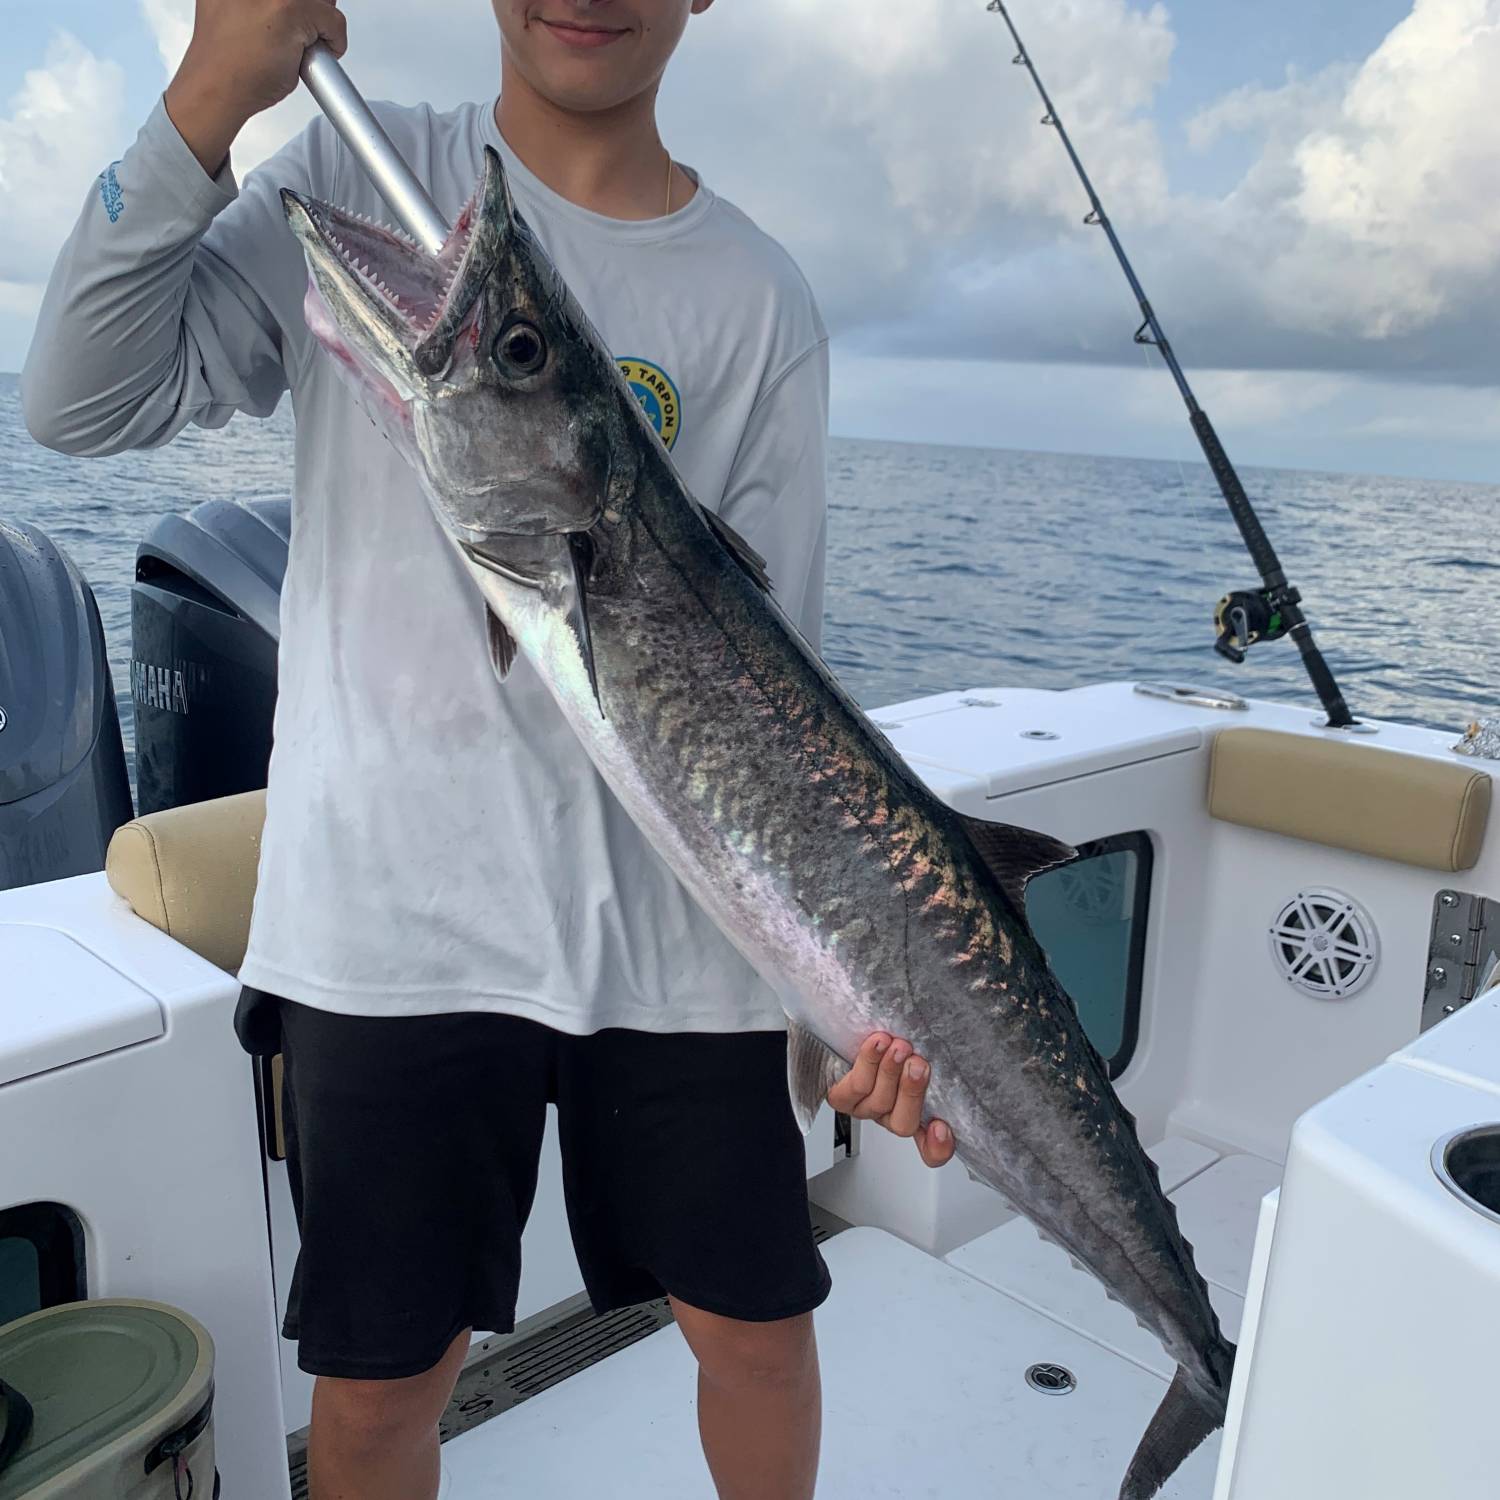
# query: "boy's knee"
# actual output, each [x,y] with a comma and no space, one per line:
[736,1355]
[369,1417]
[374,1416]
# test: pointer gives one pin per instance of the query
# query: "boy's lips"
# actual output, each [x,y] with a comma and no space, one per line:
[572,35]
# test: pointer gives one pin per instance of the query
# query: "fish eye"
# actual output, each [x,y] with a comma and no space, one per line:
[520,348]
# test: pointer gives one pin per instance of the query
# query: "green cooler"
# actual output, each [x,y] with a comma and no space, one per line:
[121,1400]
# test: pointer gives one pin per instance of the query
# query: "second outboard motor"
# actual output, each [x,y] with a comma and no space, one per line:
[63,784]
[205,621]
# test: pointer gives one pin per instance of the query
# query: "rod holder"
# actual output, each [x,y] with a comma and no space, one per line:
[1467,1163]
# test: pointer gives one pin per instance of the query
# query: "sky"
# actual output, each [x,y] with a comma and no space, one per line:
[1310,190]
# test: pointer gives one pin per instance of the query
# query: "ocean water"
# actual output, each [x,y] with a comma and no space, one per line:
[966,567]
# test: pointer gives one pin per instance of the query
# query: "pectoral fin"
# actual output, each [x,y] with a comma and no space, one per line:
[811,1070]
[578,609]
[561,577]
[502,646]
[1015,855]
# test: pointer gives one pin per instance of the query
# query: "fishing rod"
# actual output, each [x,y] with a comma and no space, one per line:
[1248,615]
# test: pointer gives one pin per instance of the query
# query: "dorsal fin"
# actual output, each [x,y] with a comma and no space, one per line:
[1014,855]
[741,550]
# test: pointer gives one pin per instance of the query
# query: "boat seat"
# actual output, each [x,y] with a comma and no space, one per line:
[1407,808]
[191,872]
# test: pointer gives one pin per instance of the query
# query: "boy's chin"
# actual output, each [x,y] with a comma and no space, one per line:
[586,100]
[585,84]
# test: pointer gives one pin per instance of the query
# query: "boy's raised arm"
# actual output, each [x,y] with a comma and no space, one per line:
[172,300]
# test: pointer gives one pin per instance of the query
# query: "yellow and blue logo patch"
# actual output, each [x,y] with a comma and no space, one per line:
[658,396]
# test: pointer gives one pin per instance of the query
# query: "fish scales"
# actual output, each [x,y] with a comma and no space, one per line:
[889,907]
[863,900]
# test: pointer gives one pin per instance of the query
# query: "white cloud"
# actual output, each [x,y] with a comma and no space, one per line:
[892,147]
[171,23]
[60,125]
[897,152]
[877,140]
[1298,105]
[892,144]
[1401,183]
[1372,217]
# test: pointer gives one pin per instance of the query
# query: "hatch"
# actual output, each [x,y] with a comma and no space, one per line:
[64,1004]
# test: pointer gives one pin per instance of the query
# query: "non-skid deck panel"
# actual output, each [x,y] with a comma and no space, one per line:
[1016,1260]
[1217,1205]
[925,1396]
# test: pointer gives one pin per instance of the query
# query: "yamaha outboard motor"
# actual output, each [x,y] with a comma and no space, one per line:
[205,621]
[63,785]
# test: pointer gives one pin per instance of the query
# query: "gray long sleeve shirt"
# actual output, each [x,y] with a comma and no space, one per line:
[436,841]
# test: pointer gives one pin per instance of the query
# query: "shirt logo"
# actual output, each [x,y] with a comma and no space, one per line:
[658,396]
[112,194]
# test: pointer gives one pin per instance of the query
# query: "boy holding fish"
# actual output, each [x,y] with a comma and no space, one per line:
[455,923]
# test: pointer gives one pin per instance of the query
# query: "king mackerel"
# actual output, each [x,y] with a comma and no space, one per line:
[865,902]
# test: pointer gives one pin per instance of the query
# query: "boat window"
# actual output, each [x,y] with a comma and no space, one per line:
[1090,918]
[41,1259]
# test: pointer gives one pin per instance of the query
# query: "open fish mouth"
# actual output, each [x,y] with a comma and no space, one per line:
[411,295]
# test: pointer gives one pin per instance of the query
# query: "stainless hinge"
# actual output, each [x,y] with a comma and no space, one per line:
[1464,957]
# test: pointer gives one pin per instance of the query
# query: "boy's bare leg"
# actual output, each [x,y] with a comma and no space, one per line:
[378,1439]
[760,1408]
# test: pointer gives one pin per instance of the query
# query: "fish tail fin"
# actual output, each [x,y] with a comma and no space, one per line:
[1182,1421]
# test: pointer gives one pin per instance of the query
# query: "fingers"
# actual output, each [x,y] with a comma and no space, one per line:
[854,1087]
[935,1143]
[881,1099]
[333,27]
[322,20]
[888,1083]
[873,1086]
[911,1094]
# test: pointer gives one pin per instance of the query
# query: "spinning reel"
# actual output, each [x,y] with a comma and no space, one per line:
[1250,615]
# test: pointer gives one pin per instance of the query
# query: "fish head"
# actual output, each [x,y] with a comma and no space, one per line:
[476,362]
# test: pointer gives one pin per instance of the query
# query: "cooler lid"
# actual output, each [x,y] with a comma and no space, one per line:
[63,1004]
[95,1372]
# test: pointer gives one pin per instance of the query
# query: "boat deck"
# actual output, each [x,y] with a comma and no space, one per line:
[924,1372]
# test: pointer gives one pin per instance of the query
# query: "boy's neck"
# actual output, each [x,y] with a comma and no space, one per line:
[612,162]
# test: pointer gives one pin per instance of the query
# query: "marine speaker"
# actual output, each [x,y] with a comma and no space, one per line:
[1325,943]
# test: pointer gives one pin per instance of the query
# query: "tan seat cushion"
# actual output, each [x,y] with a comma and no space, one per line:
[1352,795]
[191,872]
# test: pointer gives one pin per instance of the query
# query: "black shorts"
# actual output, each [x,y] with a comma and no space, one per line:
[413,1146]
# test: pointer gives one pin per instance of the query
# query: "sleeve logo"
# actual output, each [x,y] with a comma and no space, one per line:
[111,194]
[658,396]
